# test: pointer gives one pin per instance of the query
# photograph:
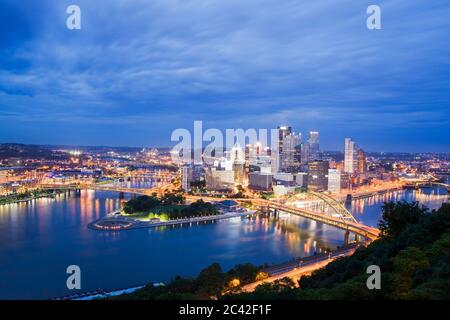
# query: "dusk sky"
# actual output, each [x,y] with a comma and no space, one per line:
[138,69]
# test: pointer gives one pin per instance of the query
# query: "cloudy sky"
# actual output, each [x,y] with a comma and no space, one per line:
[138,69]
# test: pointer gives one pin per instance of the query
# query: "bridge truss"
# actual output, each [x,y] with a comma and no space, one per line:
[323,204]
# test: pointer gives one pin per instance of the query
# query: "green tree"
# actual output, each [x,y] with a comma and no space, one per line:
[141,204]
[396,217]
[246,273]
[406,264]
[211,281]
[170,199]
[440,247]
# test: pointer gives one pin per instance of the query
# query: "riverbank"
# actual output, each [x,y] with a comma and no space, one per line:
[99,294]
[365,194]
[115,222]
[274,271]
[303,266]
[27,197]
[155,253]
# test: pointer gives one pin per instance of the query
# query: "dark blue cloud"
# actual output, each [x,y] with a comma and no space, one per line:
[139,69]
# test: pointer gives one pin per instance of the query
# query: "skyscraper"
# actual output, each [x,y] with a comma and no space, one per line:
[304,150]
[318,175]
[334,180]
[236,154]
[288,159]
[349,156]
[191,173]
[313,141]
[276,160]
[186,177]
[361,161]
[237,159]
[283,131]
[253,151]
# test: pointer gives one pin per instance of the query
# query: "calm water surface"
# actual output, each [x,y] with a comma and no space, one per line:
[368,211]
[38,240]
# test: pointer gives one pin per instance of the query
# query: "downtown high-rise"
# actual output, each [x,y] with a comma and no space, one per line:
[313,141]
[349,156]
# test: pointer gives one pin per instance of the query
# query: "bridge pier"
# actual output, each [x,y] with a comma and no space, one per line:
[356,237]
[264,209]
[348,199]
[275,212]
[346,237]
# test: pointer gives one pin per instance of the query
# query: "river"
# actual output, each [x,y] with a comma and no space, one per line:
[39,239]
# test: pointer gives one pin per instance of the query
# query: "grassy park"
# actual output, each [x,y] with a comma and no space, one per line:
[167,207]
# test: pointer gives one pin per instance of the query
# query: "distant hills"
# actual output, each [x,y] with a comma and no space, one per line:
[16,150]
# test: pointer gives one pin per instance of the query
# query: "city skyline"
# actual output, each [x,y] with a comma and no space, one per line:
[241,152]
[136,71]
[340,149]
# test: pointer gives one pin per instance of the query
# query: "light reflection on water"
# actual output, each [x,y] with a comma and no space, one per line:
[39,239]
[368,210]
[137,182]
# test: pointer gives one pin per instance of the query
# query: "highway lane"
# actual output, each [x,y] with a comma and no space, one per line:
[296,272]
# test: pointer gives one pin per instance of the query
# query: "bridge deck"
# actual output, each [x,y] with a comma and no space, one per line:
[355,227]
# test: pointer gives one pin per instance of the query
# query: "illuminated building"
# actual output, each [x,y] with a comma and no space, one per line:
[313,141]
[361,161]
[14,161]
[3,175]
[304,153]
[237,161]
[334,180]
[349,156]
[276,154]
[284,176]
[236,154]
[318,175]
[260,181]
[301,179]
[283,131]
[253,152]
[345,180]
[289,154]
[281,190]
[190,173]
[186,177]
[219,179]
[239,173]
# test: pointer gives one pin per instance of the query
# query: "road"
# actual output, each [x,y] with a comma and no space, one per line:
[296,272]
